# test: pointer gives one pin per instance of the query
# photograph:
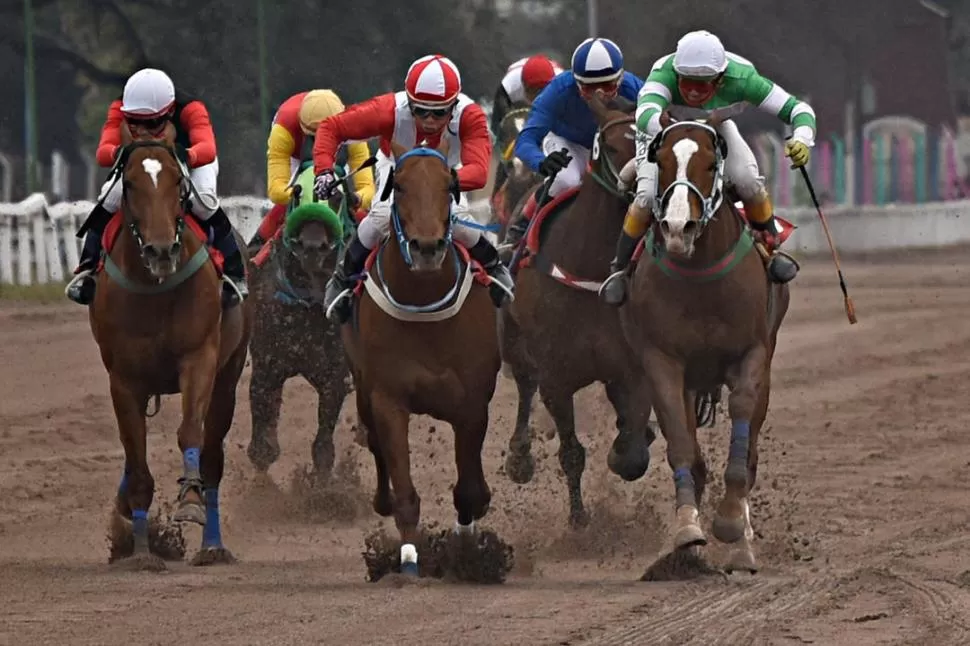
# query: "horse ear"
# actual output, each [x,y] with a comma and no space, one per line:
[397,149]
[169,134]
[666,119]
[444,146]
[126,137]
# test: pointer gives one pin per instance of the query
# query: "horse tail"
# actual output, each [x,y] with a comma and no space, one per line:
[705,407]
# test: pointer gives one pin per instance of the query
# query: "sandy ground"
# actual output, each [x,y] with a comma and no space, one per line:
[861,507]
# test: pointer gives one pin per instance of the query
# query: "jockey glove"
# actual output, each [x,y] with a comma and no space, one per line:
[324,183]
[798,152]
[554,162]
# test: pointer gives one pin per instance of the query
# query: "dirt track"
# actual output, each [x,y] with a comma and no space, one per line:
[861,509]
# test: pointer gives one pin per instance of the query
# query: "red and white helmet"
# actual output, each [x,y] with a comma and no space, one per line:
[433,82]
[537,71]
[149,93]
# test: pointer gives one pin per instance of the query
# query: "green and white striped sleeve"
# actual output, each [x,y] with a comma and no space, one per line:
[654,96]
[773,98]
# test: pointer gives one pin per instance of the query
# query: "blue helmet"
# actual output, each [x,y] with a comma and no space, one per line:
[597,60]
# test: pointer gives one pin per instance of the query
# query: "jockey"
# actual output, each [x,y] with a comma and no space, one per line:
[431,107]
[701,74]
[561,119]
[291,143]
[520,86]
[148,103]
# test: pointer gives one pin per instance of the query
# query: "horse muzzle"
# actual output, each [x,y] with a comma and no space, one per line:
[679,236]
[427,255]
[161,260]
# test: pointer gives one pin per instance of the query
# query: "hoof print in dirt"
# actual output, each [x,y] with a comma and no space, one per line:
[480,557]
[165,538]
[213,556]
[382,556]
[681,565]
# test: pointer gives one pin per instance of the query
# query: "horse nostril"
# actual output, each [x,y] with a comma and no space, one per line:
[664,227]
[441,244]
[690,228]
[150,251]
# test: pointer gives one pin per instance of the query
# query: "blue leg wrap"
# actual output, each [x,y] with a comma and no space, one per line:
[190,460]
[211,533]
[139,523]
[740,430]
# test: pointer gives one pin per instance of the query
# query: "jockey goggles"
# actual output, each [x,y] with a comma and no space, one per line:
[701,88]
[422,112]
[151,124]
[608,88]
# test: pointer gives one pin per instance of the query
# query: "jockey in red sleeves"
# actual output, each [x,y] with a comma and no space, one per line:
[148,103]
[431,107]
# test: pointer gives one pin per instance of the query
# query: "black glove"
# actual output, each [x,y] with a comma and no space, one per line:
[554,162]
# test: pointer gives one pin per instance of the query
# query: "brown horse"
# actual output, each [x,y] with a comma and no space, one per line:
[703,314]
[158,320]
[423,341]
[514,180]
[291,335]
[558,337]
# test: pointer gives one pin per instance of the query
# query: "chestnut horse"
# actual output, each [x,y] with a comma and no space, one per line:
[158,320]
[703,314]
[558,337]
[423,341]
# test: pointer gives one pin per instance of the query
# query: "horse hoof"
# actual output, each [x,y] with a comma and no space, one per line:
[729,530]
[141,562]
[262,456]
[741,560]
[190,512]
[520,468]
[213,556]
[630,465]
[689,532]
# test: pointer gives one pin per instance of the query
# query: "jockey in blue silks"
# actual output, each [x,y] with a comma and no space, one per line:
[559,132]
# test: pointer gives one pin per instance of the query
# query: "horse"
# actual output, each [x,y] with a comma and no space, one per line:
[422,340]
[291,335]
[514,181]
[703,314]
[159,322]
[557,337]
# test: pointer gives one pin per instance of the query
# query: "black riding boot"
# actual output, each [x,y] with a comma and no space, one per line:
[487,255]
[81,288]
[233,267]
[350,264]
[515,231]
[613,291]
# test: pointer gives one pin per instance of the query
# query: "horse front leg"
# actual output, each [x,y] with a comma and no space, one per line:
[665,380]
[137,487]
[391,427]
[331,386]
[572,454]
[471,493]
[197,373]
[519,463]
[629,455]
[265,400]
[748,406]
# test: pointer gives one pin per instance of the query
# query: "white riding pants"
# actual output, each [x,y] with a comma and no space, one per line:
[571,175]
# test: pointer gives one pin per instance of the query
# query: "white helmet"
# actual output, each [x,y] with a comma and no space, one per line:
[148,93]
[700,54]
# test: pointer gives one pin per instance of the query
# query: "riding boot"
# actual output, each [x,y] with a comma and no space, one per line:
[781,267]
[336,296]
[613,291]
[487,256]
[235,288]
[81,288]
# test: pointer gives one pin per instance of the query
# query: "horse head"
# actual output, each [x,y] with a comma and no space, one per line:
[690,186]
[424,187]
[153,195]
[614,145]
[312,234]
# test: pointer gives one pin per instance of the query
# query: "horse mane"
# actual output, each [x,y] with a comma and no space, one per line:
[622,104]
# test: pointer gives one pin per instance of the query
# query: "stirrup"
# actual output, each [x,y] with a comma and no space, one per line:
[345,293]
[495,283]
[617,280]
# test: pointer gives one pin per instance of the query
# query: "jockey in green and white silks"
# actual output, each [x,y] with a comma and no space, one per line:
[701,74]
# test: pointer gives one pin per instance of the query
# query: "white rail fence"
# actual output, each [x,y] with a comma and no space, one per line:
[38,243]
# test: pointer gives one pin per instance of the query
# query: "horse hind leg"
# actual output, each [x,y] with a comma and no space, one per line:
[572,454]
[629,455]
[519,463]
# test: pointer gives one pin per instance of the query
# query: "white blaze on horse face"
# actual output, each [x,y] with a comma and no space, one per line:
[153,167]
[678,207]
